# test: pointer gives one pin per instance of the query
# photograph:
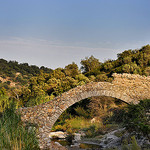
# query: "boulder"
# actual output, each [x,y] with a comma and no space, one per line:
[58,134]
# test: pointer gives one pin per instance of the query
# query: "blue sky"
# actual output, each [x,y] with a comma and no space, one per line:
[54,33]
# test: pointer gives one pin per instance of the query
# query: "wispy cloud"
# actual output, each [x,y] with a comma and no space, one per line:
[52,54]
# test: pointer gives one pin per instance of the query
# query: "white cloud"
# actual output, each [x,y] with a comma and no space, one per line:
[52,54]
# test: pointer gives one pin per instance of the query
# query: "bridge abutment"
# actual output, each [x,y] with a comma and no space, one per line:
[44,140]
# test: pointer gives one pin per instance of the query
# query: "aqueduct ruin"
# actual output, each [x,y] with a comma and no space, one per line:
[126,87]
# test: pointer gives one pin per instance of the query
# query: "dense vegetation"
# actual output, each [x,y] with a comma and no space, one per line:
[31,85]
[9,69]
[26,85]
[137,117]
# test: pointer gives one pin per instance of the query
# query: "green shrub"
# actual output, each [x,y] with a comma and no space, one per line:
[136,119]
[82,112]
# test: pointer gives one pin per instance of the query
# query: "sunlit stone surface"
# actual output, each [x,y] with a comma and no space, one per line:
[126,87]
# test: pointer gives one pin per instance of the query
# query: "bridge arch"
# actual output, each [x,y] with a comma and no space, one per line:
[76,95]
[128,88]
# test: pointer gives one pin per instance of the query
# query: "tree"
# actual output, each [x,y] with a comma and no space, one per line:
[72,70]
[57,73]
[82,79]
[101,105]
[126,53]
[108,66]
[89,64]
[127,60]
[131,68]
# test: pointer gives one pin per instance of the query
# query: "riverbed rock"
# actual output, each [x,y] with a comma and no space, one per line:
[111,139]
[115,139]
[57,146]
[57,134]
[77,136]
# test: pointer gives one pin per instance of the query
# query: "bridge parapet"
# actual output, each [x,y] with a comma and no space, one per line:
[137,87]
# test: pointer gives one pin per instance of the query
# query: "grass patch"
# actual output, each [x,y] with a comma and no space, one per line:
[75,124]
[13,135]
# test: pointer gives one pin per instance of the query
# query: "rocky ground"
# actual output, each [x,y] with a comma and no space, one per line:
[57,146]
[109,140]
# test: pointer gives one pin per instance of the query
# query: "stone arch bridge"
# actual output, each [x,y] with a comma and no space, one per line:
[126,87]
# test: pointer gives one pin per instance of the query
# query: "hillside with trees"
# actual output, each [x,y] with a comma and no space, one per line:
[25,85]
[30,85]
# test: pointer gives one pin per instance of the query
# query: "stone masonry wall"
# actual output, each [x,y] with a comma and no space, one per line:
[126,87]
[137,87]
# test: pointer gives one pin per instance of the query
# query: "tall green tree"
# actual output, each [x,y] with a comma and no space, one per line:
[89,64]
[72,70]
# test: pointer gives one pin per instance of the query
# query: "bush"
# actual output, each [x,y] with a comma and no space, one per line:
[82,112]
[136,118]
[91,131]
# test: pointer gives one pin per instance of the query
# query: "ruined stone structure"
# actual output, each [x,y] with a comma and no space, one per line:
[126,87]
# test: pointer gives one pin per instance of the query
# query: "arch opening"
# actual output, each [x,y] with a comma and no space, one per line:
[87,112]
